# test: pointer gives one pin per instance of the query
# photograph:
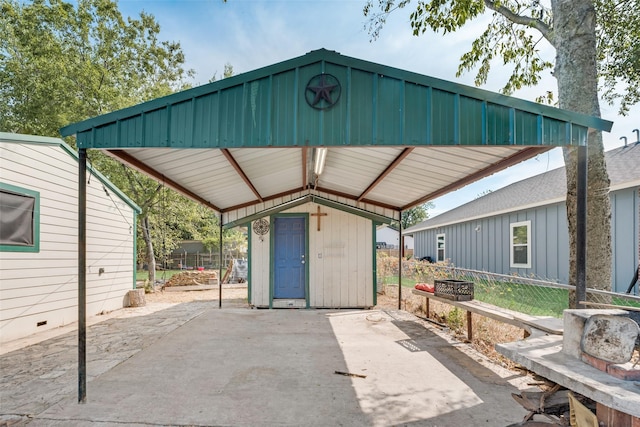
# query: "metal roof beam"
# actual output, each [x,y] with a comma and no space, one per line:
[296,190]
[387,171]
[355,199]
[518,157]
[305,178]
[306,199]
[238,169]
[136,164]
[264,199]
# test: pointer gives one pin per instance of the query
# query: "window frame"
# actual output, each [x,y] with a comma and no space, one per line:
[444,246]
[36,219]
[512,246]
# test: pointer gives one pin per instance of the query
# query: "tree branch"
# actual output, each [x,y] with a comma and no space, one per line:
[544,29]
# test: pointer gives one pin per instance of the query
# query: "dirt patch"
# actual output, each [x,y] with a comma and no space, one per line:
[237,294]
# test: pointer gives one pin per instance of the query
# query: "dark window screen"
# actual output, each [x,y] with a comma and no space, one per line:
[16,219]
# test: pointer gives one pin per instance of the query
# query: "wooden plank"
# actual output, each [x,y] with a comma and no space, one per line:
[521,320]
[614,418]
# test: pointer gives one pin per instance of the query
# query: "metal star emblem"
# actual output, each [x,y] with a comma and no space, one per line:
[323,91]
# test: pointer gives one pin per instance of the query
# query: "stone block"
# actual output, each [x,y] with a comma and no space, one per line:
[611,338]
[135,298]
[574,321]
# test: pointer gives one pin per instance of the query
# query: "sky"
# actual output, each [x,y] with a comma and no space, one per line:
[250,34]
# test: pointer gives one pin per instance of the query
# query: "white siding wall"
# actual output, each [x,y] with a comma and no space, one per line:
[340,261]
[42,286]
[259,259]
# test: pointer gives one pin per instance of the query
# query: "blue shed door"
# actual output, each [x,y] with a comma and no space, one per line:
[289,257]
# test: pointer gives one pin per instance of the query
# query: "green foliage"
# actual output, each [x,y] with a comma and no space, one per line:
[514,35]
[62,63]
[416,214]
[454,318]
[529,299]
[65,62]
[618,35]
[228,72]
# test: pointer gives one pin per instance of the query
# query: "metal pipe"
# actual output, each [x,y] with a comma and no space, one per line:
[82,275]
[581,227]
[220,272]
[400,263]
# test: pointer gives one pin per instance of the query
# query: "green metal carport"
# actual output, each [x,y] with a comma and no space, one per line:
[394,139]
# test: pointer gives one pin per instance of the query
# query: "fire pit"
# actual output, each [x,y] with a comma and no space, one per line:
[592,359]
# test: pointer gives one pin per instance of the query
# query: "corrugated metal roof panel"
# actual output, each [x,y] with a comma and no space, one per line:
[371,104]
[395,138]
[272,171]
[426,170]
[351,170]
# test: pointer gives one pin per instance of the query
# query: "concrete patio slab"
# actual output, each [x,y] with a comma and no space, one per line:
[243,367]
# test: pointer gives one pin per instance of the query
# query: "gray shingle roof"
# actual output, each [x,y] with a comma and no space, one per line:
[623,164]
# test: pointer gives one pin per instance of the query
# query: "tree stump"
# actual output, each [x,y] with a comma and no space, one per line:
[136,298]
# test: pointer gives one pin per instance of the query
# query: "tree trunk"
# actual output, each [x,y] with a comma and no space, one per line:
[151,258]
[576,71]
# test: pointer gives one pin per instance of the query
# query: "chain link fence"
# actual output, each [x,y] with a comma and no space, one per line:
[528,295]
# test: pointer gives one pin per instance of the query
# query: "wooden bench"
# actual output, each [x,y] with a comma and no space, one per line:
[532,325]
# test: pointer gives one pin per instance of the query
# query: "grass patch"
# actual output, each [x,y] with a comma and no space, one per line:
[160,274]
[406,281]
[624,301]
[529,299]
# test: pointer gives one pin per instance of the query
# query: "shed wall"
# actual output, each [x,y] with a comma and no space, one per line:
[42,286]
[340,260]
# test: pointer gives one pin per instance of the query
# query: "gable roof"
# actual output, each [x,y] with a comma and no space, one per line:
[48,141]
[546,188]
[241,144]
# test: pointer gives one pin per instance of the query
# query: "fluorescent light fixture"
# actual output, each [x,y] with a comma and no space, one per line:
[321,157]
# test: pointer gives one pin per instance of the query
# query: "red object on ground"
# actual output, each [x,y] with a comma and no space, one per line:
[200,268]
[425,287]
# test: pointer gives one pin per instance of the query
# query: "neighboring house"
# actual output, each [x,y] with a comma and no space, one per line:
[39,238]
[387,238]
[522,228]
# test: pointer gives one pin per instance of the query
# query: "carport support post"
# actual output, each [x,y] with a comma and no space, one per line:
[400,262]
[82,274]
[220,272]
[581,227]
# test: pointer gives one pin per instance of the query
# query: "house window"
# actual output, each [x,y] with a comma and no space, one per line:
[440,247]
[19,219]
[520,244]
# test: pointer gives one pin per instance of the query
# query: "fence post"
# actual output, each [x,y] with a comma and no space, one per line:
[400,265]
